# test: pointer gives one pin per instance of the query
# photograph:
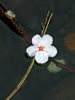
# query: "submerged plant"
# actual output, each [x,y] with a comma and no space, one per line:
[42,45]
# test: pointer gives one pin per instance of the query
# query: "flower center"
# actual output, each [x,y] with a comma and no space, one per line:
[41,48]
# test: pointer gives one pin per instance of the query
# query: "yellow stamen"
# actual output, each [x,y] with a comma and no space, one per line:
[41,48]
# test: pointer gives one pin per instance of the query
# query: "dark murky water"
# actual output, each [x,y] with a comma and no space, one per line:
[41,84]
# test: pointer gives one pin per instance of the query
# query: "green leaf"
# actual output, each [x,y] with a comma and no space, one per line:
[53,68]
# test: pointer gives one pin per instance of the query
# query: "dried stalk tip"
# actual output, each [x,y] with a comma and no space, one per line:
[10,14]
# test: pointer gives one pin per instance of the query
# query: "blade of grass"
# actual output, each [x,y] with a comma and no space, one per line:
[31,65]
[22,81]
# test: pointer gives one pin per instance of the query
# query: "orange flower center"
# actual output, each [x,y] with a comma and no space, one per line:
[41,48]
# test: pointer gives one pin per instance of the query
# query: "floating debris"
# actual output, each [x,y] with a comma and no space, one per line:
[69,41]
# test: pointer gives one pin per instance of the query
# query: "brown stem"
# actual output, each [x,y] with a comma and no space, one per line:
[13,23]
[63,66]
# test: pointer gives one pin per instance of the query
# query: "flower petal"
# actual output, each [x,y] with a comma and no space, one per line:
[36,39]
[31,50]
[51,50]
[41,57]
[47,39]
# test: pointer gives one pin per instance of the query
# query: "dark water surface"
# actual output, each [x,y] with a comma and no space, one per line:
[41,84]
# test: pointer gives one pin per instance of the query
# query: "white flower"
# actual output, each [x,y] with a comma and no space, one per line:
[42,48]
